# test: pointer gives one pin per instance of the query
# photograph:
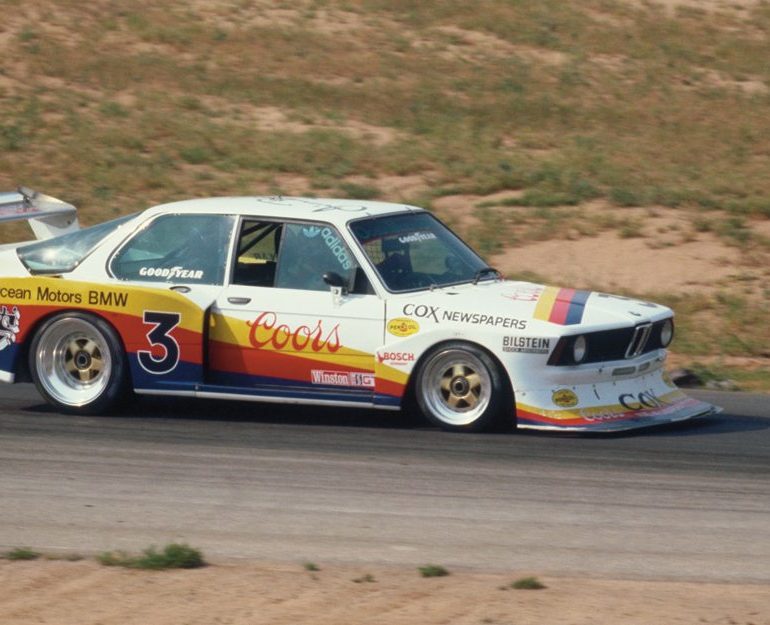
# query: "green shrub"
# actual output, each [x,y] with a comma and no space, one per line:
[173,556]
[433,570]
[528,583]
[21,553]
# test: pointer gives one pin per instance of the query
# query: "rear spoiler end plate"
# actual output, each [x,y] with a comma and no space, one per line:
[47,216]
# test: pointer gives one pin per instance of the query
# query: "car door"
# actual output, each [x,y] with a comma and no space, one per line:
[279,329]
[173,268]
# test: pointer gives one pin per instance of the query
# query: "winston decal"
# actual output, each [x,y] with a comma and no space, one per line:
[342,378]
[267,332]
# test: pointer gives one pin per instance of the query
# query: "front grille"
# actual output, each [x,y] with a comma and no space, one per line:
[639,340]
[609,345]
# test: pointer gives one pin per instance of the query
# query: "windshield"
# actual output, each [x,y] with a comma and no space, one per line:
[62,254]
[416,251]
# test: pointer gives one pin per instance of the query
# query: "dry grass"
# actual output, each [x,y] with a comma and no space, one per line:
[547,106]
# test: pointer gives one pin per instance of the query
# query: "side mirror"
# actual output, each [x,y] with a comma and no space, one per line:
[336,282]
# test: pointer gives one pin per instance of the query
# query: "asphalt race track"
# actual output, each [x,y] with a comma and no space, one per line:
[296,484]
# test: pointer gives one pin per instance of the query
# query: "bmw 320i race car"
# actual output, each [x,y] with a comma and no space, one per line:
[300,300]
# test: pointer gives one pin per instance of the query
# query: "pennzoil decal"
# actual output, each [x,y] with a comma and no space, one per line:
[564,398]
[9,326]
[402,326]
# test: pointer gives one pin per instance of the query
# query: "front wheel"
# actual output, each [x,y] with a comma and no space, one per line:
[78,364]
[459,387]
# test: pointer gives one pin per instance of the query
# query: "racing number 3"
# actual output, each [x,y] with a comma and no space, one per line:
[162,324]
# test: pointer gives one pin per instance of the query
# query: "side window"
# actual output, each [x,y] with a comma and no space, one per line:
[307,252]
[257,253]
[177,248]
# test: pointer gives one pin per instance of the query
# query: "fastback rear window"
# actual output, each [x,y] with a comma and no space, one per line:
[62,254]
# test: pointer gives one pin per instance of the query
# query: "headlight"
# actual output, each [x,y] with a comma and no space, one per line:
[579,349]
[666,333]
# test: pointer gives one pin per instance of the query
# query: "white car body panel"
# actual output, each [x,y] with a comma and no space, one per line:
[312,346]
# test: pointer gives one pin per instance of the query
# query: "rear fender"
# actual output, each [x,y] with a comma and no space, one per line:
[161,330]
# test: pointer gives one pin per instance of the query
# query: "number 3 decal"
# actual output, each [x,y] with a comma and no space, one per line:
[162,324]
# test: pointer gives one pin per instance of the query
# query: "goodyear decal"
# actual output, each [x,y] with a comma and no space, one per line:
[562,306]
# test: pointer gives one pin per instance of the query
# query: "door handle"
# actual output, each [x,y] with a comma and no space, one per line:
[180,289]
[239,300]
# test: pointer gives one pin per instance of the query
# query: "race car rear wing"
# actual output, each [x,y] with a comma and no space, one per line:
[47,216]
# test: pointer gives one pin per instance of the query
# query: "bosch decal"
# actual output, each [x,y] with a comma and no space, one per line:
[265,330]
[395,358]
[9,326]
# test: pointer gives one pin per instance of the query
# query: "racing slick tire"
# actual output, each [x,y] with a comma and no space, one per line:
[78,364]
[460,388]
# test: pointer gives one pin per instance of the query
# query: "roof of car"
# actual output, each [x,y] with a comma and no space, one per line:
[313,209]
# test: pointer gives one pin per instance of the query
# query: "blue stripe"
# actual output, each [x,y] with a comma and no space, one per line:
[184,377]
[576,308]
[9,357]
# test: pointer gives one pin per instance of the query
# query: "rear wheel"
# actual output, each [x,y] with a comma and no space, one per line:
[78,364]
[459,387]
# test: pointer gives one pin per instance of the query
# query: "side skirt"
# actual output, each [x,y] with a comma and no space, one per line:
[273,399]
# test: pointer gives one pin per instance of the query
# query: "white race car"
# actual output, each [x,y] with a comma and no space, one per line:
[300,300]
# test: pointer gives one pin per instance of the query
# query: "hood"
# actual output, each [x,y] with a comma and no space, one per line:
[519,305]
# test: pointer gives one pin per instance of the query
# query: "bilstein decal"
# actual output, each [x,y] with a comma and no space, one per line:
[9,326]
[564,398]
[403,326]
[526,344]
